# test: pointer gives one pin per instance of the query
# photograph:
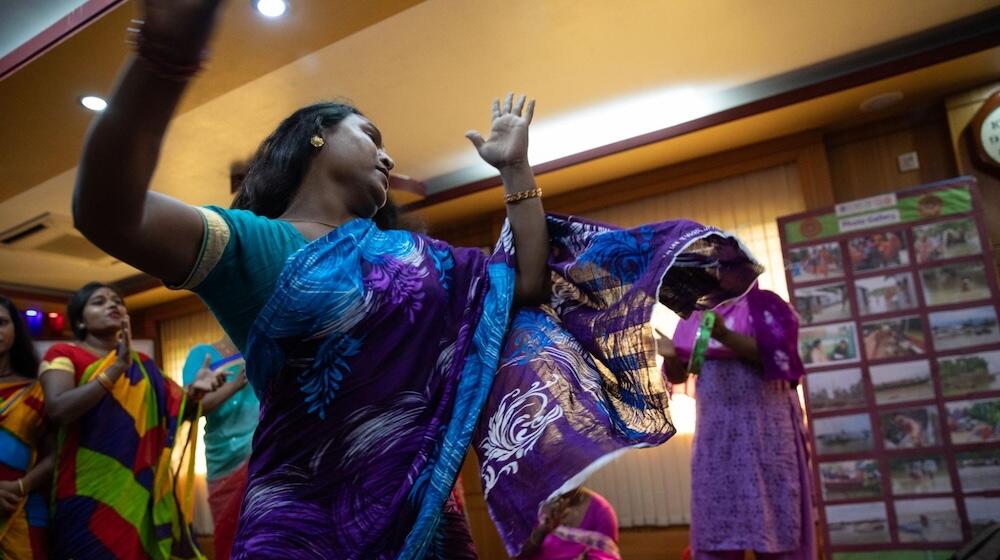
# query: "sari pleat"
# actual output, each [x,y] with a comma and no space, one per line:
[23,534]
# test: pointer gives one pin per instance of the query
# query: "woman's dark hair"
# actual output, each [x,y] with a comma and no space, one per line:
[277,169]
[74,309]
[23,357]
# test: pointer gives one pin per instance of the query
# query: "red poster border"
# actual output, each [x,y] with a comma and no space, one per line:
[945,448]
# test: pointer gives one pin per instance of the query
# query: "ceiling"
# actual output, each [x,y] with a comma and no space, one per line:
[24,20]
[425,72]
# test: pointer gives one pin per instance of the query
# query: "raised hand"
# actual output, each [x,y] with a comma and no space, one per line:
[123,349]
[179,29]
[206,380]
[507,144]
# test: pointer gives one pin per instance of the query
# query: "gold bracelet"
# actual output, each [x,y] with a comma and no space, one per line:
[522,195]
[102,378]
[20,484]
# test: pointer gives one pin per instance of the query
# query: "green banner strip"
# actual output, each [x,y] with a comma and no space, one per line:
[911,208]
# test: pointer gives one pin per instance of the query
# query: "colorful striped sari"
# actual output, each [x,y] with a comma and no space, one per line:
[22,427]
[124,469]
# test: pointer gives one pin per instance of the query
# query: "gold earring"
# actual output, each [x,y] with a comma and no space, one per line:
[317,141]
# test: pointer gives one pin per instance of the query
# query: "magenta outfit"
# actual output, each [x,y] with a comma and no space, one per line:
[595,539]
[750,477]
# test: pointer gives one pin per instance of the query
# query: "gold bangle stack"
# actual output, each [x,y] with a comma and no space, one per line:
[20,484]
[102,378]
[522,195]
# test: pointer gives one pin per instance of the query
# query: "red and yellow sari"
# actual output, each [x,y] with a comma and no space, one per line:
[124,469]
[22,427]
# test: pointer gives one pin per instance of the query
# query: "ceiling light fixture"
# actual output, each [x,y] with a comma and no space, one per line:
[881,101]
[271,8]
[93,103]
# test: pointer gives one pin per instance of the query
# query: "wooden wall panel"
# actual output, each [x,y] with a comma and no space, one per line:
[863,159]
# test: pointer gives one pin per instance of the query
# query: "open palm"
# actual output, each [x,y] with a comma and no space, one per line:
[508,141]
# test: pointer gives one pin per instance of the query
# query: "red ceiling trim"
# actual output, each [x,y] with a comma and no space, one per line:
[56,33]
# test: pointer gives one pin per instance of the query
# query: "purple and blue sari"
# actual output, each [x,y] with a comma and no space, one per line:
[381,356]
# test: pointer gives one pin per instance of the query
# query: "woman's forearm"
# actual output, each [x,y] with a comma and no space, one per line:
[531,236]
[122,150]
[111,203]
[40,474]
[211,401]
[66,404]
[744,346]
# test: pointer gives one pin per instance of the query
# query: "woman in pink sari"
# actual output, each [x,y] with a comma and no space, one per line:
[581,525]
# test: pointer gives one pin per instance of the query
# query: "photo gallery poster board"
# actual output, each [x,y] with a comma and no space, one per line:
[898,301]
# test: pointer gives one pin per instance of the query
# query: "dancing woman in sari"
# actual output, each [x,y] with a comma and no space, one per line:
[376,352]
[25,451]
[119,493]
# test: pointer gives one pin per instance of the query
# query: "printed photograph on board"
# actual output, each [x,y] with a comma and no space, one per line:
[816,262]
[974,421]
[843,434]
[822,304]
[900,337]
[878,251]
[902,382]
[946,240]
[979,470]
[969,373]
[885,293]
[961,328]
[983,511]
[849,480]
[955,283]
[832,344]
[919,475]
[910,428]
[835,390]
[928,520]
[856,524]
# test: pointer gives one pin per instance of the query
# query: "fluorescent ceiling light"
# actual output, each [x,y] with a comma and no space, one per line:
[271,8]
[93,103]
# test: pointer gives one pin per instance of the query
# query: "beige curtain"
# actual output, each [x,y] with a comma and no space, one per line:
[653,486]
[180,334]
[177,337]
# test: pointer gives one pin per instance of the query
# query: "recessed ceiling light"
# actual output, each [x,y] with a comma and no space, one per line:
[271,8]
[93,103]
[881,101]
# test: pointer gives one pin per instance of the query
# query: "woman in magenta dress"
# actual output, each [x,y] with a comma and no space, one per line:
[750,475]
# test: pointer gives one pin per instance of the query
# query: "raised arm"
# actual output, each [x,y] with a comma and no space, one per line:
[112,205]
[507,150]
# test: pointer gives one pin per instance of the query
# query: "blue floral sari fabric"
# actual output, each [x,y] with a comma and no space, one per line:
[376,362]
[372,360]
